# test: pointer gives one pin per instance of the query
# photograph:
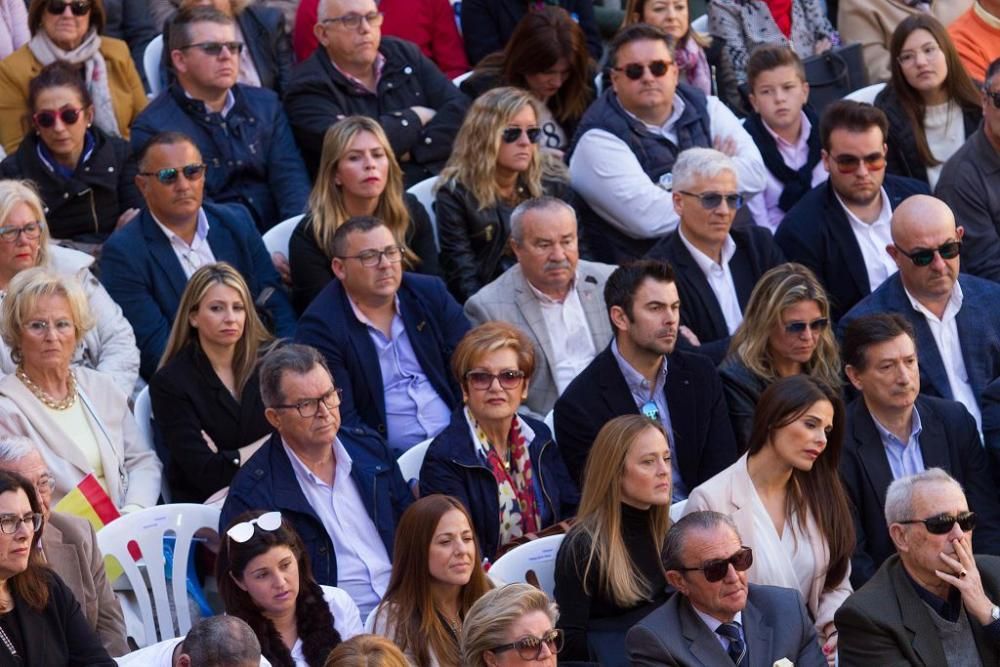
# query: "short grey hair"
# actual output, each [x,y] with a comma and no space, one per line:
[899,496]
[221,641]
[673,547]
[697,163]
[13,448]
[490,617]
[544,203]
[292,358]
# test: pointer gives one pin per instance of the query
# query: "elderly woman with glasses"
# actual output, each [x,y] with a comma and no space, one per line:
[505,468]
[512,626]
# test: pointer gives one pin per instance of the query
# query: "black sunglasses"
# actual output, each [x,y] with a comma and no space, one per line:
[168,176]
[712,200]
[994,97]
[215,48]
[925,256]
[635,71]
[47,117]
[78,7]
[716,570]
[798,328]
[512,134]
[942,523]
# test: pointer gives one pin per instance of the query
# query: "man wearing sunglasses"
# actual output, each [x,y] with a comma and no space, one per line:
[242,132]
[716,617]
[840,228]
[933,602]
[628,140]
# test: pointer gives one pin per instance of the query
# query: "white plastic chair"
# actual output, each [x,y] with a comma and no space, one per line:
[370,621]
[550,421]
[866,94]
[151,64]
[143,413]
[147,528]
[277,237]
[409,462]
[538,556]
[424,192]
[677,510]
[700,24]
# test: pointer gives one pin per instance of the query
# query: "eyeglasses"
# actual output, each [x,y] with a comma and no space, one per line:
[716,570]
[309,407]
[993,97]
[848,164]
[799,328]
[46,118]
[168,176]
[41,327]
[482,380]
[11,523]
[393,254]
[908,58]
[512,134]
[215,48]
[635,71]
[353,21]
[31,231]
[529,648]
[243,531]
[712,200]
[942,523]
[78,7]
[925,256]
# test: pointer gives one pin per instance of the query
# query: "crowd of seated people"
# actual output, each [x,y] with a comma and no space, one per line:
[392,327]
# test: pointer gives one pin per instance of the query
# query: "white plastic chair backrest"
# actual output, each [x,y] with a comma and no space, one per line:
[677,510]
[147,529]
[866,94]
[700,24]
[424,192]
[461,77]
[370,621]
[538,555]
[409,462]
[143,413]
[151,64]
[550,421]
[276,238]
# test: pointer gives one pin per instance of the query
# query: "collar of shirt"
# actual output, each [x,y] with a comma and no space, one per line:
[377,68]
[802,144]
[666,129]
[888,436]
[884,215]
[547,300]
[637,384]
[45,155]
[950,311]
[713,623]
[341,459]
[226,107]
[200,232]
[988,19]
[364,318]
[704,262]
[946,609]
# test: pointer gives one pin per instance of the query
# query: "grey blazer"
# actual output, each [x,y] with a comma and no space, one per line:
[509,299]
[775,624]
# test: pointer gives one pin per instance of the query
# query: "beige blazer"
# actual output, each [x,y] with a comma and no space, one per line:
[732,492]
[131,468]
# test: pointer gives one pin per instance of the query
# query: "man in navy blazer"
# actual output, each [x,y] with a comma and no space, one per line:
[840,227]
[145,265]
[387,336]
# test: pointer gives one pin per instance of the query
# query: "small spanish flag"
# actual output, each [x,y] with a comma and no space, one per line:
[90,501]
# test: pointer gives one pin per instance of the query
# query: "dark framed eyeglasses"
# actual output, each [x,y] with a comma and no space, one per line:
[214,49]
[11,523]
[78,7]
[799,328]
[512,134]
[46,118]
[31,231]
[993,97]
[393,254]
[352,21]
[716,570]
[529,647]
[925,256]
[482,380]
[634,71]
[309,407]
[848,164]
[942,523]
[169,176]
[713,200]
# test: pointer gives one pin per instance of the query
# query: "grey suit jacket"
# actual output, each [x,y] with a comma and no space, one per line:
[70,548]
[775,625]
[509,299]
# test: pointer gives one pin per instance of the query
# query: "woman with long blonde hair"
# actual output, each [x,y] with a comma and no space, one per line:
[358,176]
[206,395]
[608,572]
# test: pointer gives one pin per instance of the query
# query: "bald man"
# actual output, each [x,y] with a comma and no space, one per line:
[956,317]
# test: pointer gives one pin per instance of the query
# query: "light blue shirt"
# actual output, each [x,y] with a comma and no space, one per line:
[713,624]
[904,458]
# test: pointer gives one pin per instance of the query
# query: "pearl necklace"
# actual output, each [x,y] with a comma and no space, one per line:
[41,395]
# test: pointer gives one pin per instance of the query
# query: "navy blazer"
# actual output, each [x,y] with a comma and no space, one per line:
[816,233]
[434,323]
[453,467]
[948,440]
[756,252]
[142,274]
[267,481]
[702,440]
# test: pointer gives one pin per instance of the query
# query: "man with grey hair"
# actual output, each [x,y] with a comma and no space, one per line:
[340,488]
[69,546]
[717,617]
[716,266]
[216,641]
[552,295]
[933,602]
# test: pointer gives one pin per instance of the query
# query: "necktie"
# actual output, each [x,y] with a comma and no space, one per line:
[737,647]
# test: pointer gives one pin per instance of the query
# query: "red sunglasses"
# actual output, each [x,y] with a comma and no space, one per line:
[47,117]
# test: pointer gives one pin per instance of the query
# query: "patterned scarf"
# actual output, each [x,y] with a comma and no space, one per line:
[693,66]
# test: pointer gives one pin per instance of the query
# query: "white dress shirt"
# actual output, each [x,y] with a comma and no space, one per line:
[196,254]
[873,238]
[569,332]
[719,278]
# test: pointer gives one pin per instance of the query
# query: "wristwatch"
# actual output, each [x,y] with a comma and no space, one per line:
[995,613]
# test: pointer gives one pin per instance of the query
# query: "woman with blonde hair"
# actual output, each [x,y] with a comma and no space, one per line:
[608,571]
[786,330]
[206,394]
[358,176]
[495,165]
[511,626]
[366,651]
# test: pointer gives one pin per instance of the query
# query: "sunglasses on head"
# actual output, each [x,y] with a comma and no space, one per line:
[243,531]
[215,48]
[512,134]
[78,7]
[713,200]
[47,117]
[798,328]
[942,523]
[925,256]
[168,176]
[716,570]
[635,71]
[848,164]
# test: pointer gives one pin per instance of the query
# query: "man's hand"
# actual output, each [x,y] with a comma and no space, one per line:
[725,145]
[282,266]
[425,114]
[126,217]
[962,573]
[822,46]
[689,335]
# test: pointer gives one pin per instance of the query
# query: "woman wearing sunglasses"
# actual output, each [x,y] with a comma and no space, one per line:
[512,626]
[265,579]
[70,31]
[505,468]
[85,176]
[786,330]
[787,500]
[494,166]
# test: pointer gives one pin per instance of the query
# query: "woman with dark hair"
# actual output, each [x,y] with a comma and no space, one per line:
[437,575]
[265,579]
[41,623]
[930,100]
[786,497]
[85,176]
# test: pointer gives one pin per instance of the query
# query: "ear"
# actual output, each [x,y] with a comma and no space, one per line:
[893,250]
[319,31]
[753,102]
[959,232]
[524,392]
[490,659]
[88,115]
[619,318]
[272,417]
[183,660]
[852,375]
[805,87]
[826,159]
[897,532]
[140,183]
[676,579]
[337,266]
[177,58]
[678,202]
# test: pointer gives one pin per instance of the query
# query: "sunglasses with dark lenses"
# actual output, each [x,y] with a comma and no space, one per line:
[799,328]
[994,97]
[483,380]
[635,71]
[46,118]
[716,570]
[848,164]
[512,134]
[215,48]
[168,176]
[925,256]
[942,523]
[78,7]
[712,200]
[529,648]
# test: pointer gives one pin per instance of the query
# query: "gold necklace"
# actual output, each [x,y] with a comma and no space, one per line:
[42,395]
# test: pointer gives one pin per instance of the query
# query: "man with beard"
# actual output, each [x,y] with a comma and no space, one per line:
[641,372]
[841,227]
